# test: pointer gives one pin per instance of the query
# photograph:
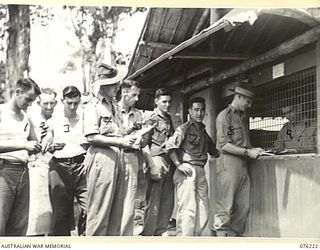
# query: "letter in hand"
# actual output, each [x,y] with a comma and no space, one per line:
[289,151]
[185,169]
[33,146]
[46,146]
[128,141]
[254,153]
[136,126]
[51,147]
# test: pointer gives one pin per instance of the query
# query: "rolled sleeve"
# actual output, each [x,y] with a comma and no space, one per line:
[175,141]
[91,120]
[222,131]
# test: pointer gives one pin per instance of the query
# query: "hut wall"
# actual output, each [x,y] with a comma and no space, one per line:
[284,189]
[285,193]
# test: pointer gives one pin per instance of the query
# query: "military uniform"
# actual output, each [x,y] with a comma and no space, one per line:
[192,143]
[122,219]
[103,164]
[160,194]
[233,184]
[301,137]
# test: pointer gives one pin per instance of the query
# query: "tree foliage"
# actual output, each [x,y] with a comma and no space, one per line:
[40,14]
[95,28]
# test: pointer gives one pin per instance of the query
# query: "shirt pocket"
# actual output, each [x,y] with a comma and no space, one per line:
[235,133]
[160,134]
[193,143]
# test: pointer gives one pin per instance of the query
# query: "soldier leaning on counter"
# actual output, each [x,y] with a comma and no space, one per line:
[233,184]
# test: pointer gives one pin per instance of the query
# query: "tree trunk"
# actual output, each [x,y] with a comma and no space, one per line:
[115,20]
[93,68]
[83,68]
[102,51]
[92,57]
[18,50]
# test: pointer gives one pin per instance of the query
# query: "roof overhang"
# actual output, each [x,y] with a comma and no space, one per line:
[234,18]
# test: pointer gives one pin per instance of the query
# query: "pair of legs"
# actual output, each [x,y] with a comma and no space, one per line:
[122,219]
[160,200]
[103,166]
[233,199]
[14,199]
[40,209]
[67,180]
[193,202]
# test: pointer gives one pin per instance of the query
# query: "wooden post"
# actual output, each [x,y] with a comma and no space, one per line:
[318,92]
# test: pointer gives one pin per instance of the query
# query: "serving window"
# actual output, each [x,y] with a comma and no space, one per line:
[283,115]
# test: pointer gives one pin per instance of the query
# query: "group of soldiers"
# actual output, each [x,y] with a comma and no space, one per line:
[95,157]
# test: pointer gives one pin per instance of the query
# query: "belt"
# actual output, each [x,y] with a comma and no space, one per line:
[195,164]
[5,162]
[129,150]
[71,160]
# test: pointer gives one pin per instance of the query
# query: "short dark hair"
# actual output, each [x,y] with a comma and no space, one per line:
[27,84]
[48,91]
[197,100]
[70,92]
[160,92]
[127,84]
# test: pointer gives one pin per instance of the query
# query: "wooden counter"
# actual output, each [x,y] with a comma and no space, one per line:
[285,196]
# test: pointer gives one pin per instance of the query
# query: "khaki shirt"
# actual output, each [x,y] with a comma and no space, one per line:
[129,120]
[160,133]
[301,137]
[232,127]
[102,116]
[193,143]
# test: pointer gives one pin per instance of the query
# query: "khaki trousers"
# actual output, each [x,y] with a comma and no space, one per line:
[102,170]
[122,213]
[193,202]
[233,195]
[160,201]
